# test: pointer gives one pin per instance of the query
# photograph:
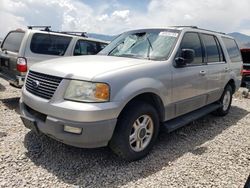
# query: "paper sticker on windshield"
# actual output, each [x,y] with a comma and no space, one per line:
[168,34]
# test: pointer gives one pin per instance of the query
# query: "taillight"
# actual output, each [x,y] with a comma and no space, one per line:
[21,64]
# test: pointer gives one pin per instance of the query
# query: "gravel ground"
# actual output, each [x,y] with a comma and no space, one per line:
[210,152]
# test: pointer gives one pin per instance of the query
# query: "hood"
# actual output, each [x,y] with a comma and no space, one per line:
[84,67]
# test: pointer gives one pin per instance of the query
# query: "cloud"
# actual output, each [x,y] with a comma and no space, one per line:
[122,15]
[111,17]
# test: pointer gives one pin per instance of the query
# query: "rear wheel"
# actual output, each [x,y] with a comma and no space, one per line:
[226,100]
[136,131]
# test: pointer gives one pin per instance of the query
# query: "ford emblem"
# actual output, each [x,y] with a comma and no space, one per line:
[35,83]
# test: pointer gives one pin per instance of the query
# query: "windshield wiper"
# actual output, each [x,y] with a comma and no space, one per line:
[150,46]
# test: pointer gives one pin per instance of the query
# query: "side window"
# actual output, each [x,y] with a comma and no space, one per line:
[212,50]
[13,41]
[49,44]
[86,48]
[232,49]
[192,41]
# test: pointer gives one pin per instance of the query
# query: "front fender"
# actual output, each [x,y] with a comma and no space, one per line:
[140,86]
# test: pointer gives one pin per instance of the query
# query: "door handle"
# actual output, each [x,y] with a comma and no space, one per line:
[226,69]
[203,73]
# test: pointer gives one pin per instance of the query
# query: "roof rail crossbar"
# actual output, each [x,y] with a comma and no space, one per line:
[83,34]
[195,27]
[46,28]
[212,31]
[191,26]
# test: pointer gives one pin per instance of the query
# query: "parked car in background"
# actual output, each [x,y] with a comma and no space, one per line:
[142,80]
[21,49]
[245,52]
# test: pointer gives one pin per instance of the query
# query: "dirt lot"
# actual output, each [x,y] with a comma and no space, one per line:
[210,152]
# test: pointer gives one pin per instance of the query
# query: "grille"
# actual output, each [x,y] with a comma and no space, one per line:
[42,85]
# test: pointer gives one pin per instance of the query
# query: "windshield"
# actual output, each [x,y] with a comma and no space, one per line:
[147,44]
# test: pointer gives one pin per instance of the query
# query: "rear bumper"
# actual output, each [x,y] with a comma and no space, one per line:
[16,81]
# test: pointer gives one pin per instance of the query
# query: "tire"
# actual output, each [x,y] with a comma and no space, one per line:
[225,100]
[133,139]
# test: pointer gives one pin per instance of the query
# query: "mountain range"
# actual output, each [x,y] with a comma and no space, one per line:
[242,39]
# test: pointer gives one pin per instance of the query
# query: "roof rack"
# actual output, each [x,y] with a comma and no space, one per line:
[191,26]
[83,34]
[196,27]
[46,28]
[212,31]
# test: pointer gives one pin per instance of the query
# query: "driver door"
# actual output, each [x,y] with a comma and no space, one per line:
[189,82]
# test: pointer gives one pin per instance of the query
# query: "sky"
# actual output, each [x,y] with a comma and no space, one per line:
[115,16]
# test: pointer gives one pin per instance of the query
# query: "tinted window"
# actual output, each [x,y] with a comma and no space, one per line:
[192,41]
[232,49]
[49,44]
[212,50]
[87,47]
[13,41]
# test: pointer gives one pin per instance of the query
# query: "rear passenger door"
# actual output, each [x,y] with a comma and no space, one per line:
[216,67]
[189,82]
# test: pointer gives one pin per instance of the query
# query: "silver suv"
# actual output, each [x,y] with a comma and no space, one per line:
[142,80]
[21,49]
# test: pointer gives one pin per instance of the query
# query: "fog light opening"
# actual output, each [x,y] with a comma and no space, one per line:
[74,130]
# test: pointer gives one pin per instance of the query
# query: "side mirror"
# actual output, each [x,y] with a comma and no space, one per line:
[187,57]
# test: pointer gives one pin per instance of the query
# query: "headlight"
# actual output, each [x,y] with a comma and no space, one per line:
[87,91]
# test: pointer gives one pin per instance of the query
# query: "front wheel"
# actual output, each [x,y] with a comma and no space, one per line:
[226,100]
[136,131]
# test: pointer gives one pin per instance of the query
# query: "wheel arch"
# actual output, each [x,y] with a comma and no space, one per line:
[150,98]
[231,82]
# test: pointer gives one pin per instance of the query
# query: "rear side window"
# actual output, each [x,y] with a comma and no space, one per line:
[49,44]
[212,48]
[84,47]
[13,41]
[232,49]
[192,41]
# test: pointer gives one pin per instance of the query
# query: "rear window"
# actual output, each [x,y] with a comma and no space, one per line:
[13,41]
[49,44]
[232,49]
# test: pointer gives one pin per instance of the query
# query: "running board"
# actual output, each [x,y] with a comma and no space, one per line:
[178,122]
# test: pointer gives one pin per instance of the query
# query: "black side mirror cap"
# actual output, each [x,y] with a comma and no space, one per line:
[187,57]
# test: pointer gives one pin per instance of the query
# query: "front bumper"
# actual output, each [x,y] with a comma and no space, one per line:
[94,134]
